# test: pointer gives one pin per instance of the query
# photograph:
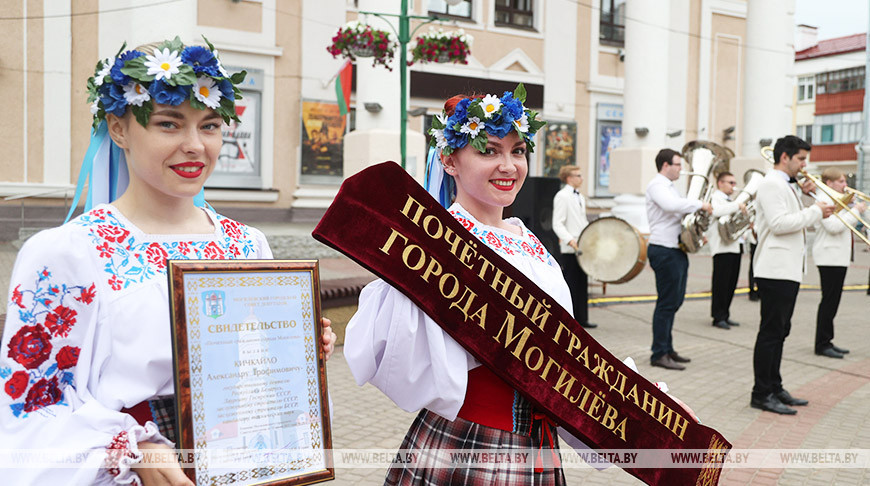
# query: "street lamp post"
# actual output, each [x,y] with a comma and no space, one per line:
[404,35]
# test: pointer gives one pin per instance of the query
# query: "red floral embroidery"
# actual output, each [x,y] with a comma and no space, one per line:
[105,250]
[67,357]
[42,394]
[183,248]
[16,385]
[116,282]
[493,240]
[17,296]
[213,252]
[30,346]
[465,223]
[527,248]
[99,213]
[87,294]
[112,234]
[118,449]
[234,251]
[155,254]
[233,229]
[60,321]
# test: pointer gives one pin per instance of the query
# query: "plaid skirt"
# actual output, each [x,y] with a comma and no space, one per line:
[434,441]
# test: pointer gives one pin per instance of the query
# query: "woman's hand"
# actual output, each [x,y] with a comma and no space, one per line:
[167,474]
[329,337]
[686,408]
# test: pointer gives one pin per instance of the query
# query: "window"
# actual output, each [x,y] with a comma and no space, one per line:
[441,9]
[612,24]
[839,81]
[836,128]
[805,132]
[515,13]
[806,85]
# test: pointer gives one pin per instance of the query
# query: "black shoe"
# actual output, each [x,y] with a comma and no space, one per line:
[839,349]
[771,404]
[679,359]
[785,397]
[753,296]
[666,362]
[829,352]
[732,323]
[589,325]
[721,325]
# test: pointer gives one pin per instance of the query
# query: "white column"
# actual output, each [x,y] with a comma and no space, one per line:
[646,94]
[57,53]
[769,79]
[560,57]
[768,82]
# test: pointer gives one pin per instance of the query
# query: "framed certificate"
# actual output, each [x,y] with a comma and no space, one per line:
[250,379]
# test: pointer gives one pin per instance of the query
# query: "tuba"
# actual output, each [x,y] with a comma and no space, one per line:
[734,225]
[706,160]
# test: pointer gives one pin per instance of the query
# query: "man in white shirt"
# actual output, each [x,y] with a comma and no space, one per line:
[832,252]
[780,262]
[726,254]
[569,220]
[665,209]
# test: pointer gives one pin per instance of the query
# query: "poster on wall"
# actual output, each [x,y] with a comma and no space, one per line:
[323,129]
[609,138]
[560,143]
[239,152]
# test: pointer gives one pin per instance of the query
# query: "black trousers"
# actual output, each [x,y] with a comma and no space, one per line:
[726,269]
[578,283]
[777,306]
[671,267]
[752,286]
[832,289]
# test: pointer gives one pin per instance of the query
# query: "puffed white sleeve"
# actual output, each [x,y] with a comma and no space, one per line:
[392,344]
[51,357]
[264,251]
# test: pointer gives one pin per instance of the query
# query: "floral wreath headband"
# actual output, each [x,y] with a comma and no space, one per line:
[475,118]
[171,74]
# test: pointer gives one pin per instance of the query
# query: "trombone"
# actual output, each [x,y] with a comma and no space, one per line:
[841,200]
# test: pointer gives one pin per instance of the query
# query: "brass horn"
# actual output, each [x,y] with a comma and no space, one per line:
[840,199]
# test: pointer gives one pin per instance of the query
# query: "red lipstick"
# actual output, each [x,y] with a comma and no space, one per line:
[188,174]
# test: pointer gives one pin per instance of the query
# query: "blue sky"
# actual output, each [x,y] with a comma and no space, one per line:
[834,18]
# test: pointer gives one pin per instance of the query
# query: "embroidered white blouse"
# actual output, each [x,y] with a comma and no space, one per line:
[87,334]
[392,344]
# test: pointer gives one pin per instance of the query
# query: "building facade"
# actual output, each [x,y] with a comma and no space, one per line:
[598,72]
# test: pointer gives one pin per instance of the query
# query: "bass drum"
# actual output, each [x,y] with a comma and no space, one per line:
[611,250]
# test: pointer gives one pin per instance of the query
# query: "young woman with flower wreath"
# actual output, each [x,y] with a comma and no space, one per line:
[87,355]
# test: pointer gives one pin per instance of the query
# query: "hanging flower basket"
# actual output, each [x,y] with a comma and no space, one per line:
[440,46]
[356,39]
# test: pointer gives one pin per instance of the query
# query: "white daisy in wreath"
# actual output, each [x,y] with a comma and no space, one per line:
[206,91]
[522,124]
[490,104]
[472,127]
[135,93]
[95,107]
[440,141]
[107,67]
[163,64]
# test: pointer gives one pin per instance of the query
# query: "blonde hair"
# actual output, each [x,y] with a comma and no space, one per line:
[831,174]
[566,171]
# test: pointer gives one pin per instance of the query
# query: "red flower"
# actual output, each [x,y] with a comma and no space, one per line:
[235,251]
[527,248]
[116,282]
[213,252]
[67,357]
[60,321]
[113,234]
[183,248]
[30,346]
[105,250]
[17,296]
[466,223]
[42,394]
[156,255]
[232,229]
[88,294]
[17,384]
[493,240]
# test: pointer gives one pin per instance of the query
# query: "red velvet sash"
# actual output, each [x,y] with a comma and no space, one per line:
[384,220]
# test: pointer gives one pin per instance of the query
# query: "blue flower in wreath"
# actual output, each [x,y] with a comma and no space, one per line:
[455,138]
[201,59]
[168,95]
[113,99]
[118,77]
[226,88]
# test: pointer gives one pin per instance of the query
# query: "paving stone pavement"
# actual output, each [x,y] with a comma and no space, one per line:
[716,384]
